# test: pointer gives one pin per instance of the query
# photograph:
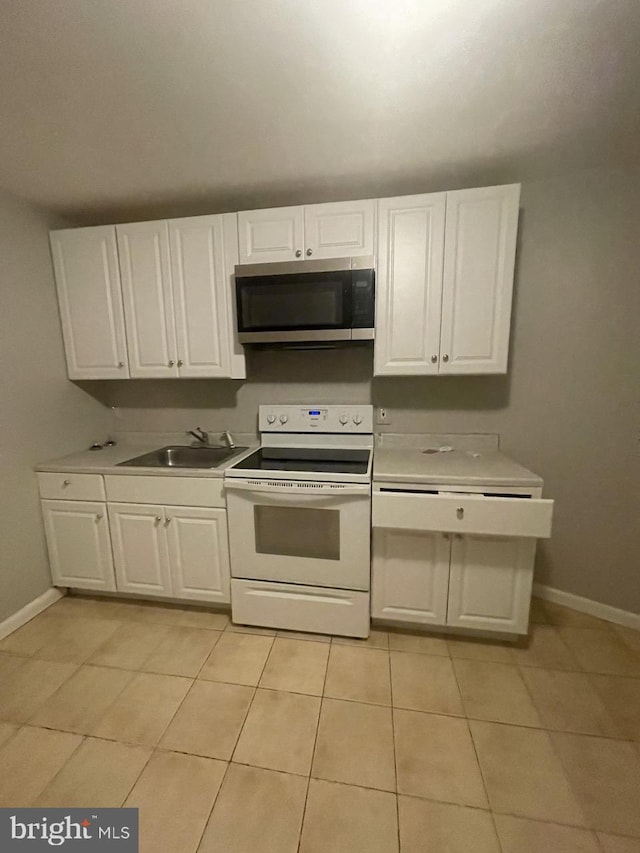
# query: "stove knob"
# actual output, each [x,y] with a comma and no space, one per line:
[357,419]
[271,419]
[343,419]
[284,419]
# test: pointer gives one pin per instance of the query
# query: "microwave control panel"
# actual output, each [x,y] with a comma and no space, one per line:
[302,418]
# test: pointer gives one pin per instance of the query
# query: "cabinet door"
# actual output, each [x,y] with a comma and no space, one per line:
[480,247]
[148,301]
[79,545]
[409,284]
[85,261]
[339,230]
[490,583]
[198,553]
[410,576]
[140,548]
[271,235]
[202,261]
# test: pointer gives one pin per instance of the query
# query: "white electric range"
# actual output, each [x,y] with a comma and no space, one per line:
[299,515]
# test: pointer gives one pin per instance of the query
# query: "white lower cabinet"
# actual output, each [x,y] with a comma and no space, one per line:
[176,551]
[490,583]
[198,553]
[479,582]
[478,579]
[410,576]
[144,539]
[79,546]
[140,549]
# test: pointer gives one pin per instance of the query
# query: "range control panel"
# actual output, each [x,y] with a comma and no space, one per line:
[301,418]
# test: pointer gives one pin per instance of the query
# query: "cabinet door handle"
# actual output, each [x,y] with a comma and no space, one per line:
[168,520]
[445,357]
[460,512]
[99,516]
[180,362]
[298,253]
[171,362]
[158,519]
[121,364]
[434,358]
[309,252]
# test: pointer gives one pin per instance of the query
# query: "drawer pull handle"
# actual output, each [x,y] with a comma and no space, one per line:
[66,482]
[460,512]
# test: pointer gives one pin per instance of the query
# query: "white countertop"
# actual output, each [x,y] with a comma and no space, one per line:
[472,467]
[457,467]
[106,461]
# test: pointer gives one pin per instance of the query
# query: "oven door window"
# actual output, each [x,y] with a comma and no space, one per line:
[297,532]
[303,301]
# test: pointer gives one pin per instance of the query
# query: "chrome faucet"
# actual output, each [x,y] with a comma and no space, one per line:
[200,436]
[228,439]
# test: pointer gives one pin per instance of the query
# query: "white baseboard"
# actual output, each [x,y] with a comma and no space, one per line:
[587,605]
[29,611]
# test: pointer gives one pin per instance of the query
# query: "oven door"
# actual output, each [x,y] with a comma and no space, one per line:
[316,534]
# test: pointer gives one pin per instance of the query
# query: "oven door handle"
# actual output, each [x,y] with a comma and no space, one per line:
[312,490]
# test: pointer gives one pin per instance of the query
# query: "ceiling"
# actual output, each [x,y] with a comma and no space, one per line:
[115,108]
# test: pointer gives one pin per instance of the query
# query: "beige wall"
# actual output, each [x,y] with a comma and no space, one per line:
[568,407]
[42,414]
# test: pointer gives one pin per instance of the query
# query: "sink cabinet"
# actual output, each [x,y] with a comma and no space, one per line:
[148,535]
[336,230]
[178,552]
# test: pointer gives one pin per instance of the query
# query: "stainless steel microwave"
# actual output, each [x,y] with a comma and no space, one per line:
[306,301]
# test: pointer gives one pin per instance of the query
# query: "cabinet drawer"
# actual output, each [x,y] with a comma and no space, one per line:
[300,608]
[71,487]
[177,491]
[463,514]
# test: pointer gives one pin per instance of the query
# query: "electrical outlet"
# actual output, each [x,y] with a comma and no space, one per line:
[383,416]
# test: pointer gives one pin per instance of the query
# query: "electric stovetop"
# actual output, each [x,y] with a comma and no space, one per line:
[320,460]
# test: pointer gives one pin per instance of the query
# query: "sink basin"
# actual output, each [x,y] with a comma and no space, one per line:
[178,456]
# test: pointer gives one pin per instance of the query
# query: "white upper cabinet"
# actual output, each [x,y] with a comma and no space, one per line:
[87,275]
[204,251]
[444,283]
[409,284]
[479,257]
[148,301]
[271,235]
[337,230]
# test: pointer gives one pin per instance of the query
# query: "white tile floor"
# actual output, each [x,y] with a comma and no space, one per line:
[232,740]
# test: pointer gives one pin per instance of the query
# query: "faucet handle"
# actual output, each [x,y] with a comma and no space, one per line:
[228,439]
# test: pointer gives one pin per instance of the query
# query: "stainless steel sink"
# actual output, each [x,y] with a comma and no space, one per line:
[178,456]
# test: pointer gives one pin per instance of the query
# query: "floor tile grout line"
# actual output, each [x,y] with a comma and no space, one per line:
[253,696]
[395,757]
[313,751]
[137,779]
[60,769]
[213,804]
[480,770]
